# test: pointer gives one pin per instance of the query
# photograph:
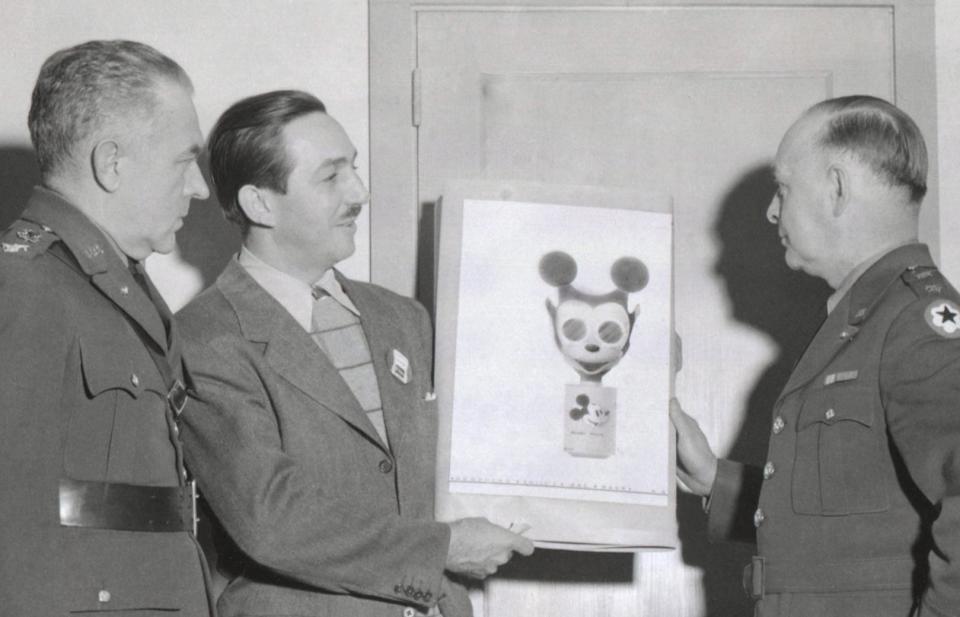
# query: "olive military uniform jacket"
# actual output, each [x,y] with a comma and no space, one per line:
[83,400]
[857,511]
[330,521]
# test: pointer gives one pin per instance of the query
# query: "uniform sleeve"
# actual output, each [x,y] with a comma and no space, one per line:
[280,514]
[920,385]
[34,342]
[733,500]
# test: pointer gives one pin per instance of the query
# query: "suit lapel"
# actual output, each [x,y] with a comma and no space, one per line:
[290,350]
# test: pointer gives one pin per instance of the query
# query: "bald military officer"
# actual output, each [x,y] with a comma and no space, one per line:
[857,509]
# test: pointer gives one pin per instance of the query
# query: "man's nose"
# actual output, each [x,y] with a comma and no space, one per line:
[359,194]
[773,211]
[197,186]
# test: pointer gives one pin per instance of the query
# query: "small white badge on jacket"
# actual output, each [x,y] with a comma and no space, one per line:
[399,366]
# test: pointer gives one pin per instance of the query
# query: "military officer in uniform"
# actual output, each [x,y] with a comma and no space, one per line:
[857,509]
[314,432]
[94,499]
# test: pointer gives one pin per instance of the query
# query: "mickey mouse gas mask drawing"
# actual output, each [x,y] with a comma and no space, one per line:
[592,332]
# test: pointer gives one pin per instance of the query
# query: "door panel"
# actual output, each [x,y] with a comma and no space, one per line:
[690,101]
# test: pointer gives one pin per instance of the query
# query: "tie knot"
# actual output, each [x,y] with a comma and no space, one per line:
[319,292]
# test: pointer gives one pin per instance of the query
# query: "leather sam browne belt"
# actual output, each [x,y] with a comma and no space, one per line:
[763,578]
[127,507]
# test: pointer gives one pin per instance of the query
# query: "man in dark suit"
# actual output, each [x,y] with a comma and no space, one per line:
[314,436]
[857,510]
[96,511]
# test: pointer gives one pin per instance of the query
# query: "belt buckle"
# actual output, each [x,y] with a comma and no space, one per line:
[753,578]
[177,398]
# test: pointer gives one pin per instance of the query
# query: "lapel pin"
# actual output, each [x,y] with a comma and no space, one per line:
[399,366]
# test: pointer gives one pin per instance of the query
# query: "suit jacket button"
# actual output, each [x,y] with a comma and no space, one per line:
[103,596]
[385,466]
[409,612]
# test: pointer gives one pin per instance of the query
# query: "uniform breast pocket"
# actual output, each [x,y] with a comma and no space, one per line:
[839,458]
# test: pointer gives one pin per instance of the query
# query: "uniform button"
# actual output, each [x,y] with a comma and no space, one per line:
[124,290]
[768,470]
[183,474]
[103,596]
[409,612]
[829,414]
[778,425]
[385,466]
[176,430]
[135,380]
[758,517]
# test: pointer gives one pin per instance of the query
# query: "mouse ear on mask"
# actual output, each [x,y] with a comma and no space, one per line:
[558,268]
[629,274]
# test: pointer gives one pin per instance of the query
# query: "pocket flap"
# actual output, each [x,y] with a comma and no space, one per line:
[105,369]
[838,403]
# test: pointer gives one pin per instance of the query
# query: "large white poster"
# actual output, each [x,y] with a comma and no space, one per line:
[554,362]
[562,374]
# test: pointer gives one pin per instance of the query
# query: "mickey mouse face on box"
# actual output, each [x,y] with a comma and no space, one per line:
[592,330]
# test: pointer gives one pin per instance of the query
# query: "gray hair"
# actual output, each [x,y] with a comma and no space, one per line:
[81,88]
[880,135]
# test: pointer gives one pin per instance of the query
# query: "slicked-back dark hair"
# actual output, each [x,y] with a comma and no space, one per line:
[246,146]
[81,88]
[879,134]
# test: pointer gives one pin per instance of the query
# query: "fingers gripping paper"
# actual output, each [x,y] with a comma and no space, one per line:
[554,331]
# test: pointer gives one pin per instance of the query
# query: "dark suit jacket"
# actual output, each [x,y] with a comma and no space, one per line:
[331,521]
[83,399]
[863,477]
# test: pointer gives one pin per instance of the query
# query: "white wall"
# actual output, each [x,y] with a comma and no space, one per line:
[230,49]
[948,139]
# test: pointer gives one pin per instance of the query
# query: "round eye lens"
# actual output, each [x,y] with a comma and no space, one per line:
[610,332]
[574,329]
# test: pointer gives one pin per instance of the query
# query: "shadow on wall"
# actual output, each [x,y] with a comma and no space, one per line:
[207,240]
[18,175]
[786,306]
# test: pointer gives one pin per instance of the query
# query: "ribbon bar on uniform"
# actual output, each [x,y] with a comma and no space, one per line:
[126,507]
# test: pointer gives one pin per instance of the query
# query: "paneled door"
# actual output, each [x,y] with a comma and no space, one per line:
[687,100]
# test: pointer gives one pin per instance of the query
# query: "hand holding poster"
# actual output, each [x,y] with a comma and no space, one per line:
[554,343]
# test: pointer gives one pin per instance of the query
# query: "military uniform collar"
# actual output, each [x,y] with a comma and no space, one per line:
[87,242]
[870,287]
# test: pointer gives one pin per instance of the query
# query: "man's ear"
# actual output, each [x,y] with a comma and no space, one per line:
[105,160]
[838,179]
[255,203]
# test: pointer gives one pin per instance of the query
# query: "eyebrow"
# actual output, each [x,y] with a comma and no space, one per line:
[340,160]
[195,151]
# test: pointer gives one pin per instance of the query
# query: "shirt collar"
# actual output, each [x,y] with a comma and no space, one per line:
[293,294]
[857,272]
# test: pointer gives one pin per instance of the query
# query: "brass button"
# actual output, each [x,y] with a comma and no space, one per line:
[409,612]
[135,380]
[103,596]
[829,414]
[758,517]
[768,470]
[778,425]
[124,290]
[385,466]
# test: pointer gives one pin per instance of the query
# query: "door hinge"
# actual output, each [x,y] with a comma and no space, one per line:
[415,98]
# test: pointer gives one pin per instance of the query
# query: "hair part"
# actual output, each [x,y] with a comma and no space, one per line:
[83,88]
[881,136]
[246,146]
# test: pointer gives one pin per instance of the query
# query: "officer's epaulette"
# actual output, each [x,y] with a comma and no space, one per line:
[926,281]
[26,239]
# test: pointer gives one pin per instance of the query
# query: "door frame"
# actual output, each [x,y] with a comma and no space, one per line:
[394,209]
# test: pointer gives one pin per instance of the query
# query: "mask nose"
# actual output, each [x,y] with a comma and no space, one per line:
[592,348]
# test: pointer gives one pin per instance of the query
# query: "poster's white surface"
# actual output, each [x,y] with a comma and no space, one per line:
[508,407]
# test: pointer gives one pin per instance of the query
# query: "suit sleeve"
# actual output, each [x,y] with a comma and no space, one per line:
[280,514]
[920,385]
[733,500]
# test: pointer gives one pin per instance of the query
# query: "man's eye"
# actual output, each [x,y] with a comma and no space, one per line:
[574,329]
